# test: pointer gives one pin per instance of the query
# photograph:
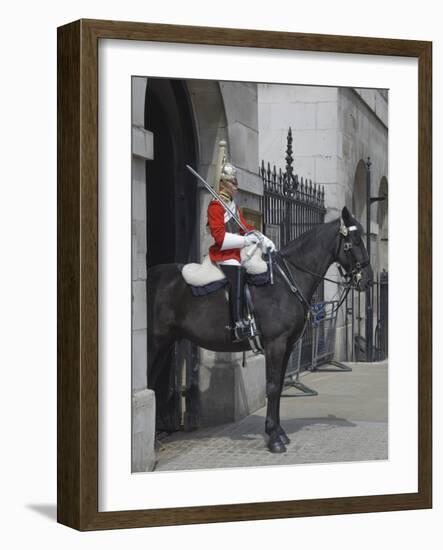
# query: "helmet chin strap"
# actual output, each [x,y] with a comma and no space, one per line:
[225,193]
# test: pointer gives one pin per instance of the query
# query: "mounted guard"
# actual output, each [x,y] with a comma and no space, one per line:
[230,237]
[231,234]
[282,308]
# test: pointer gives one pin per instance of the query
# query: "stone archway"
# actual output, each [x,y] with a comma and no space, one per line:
[220,115]
[171,224]
[382,221]
[359,193]
[171,193]
[210,118]
[359,207]
[211,125]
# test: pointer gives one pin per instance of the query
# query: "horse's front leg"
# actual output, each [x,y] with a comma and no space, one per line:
[276,359]
[281,432]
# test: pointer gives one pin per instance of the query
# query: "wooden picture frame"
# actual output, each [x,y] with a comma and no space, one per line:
[77,457]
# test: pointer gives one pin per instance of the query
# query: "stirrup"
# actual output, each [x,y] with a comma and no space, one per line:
[256,345]
[244,330]
[248,332]
[255,341]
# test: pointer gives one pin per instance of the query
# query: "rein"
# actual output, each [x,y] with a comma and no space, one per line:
[354,274]
[287,261]
[289,278]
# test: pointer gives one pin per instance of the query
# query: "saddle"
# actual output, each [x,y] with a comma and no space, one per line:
[207,277]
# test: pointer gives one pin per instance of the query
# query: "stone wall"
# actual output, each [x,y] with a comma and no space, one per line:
[240,102]
[143,400]
[363,120]
[311,112]
[332,128]
[334,131]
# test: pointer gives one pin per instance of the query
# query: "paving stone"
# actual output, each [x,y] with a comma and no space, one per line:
[352,431]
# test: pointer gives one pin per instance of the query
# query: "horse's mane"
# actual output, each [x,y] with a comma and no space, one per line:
[303,244]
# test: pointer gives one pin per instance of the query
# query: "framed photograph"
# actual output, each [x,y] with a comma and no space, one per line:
[244,219]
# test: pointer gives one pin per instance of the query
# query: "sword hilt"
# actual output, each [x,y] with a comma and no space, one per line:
[252,250]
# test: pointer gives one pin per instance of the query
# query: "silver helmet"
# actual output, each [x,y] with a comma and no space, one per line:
[228,172]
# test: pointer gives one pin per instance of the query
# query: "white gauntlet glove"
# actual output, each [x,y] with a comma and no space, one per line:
[267,244]
[233,240]
[251,238]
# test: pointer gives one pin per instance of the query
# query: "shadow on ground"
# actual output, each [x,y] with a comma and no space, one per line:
[253,426]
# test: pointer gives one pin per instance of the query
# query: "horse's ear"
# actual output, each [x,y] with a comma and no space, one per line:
[346,216]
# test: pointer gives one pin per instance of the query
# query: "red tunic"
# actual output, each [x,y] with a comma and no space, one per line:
[217,218]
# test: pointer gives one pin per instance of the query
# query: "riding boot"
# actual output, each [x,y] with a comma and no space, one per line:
[242,328]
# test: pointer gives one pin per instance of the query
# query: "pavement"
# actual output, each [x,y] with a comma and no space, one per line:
[346,421]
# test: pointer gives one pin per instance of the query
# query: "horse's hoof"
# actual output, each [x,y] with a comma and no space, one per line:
[284,438]
[277,447]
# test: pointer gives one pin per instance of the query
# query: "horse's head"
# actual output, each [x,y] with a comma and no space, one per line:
[352,254]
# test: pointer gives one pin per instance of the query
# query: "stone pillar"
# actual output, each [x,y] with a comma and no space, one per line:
[143,399]
[230,388]
[363,122]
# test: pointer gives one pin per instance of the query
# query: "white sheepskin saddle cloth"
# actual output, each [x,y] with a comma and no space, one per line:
[208,272]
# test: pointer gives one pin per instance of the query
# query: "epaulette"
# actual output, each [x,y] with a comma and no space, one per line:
[215,201]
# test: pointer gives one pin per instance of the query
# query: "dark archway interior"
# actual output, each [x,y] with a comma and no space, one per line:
[170,188]
[171,197]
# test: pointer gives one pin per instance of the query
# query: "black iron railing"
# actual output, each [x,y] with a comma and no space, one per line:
[356,334]
[291,205]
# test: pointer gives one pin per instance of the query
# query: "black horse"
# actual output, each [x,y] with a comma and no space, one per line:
[174,313]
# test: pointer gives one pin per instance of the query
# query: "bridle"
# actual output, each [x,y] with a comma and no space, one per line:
[354,274]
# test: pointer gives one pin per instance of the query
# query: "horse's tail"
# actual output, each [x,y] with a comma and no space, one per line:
[157,278]
[161,280]
[153,291]
[153,279]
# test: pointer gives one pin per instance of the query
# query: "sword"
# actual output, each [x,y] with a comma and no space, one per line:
[217,198]
[271,273]
[227,209]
